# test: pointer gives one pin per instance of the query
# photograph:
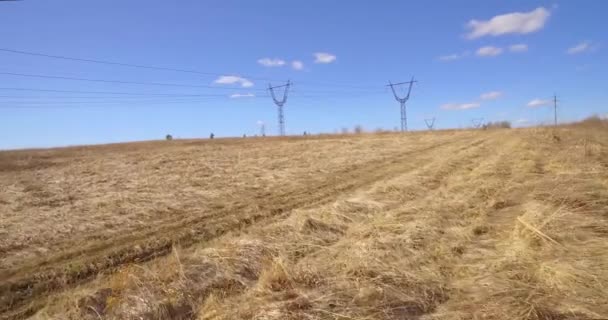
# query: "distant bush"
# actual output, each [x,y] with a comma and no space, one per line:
[358,129]
[497,125]
[382,131]
[344,130]
[168,137]
[594,121]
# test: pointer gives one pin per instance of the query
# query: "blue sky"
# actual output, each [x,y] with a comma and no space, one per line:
[500,60]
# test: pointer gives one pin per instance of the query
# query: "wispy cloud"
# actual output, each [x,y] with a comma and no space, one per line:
[453,57]
[538,103]
[460,106]
[242,95]
[271,62]
[450,57]
[245,83]
[522,121]
[297,65]
[324,57]
[492,95]
[488,51]
[580,48]
[518,47]
[515,22]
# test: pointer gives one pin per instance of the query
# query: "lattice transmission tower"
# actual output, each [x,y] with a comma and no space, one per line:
[402,100]
[280,103]
[430,123]
[477,122]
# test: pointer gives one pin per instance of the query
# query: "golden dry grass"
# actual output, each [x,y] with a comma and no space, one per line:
[500,224]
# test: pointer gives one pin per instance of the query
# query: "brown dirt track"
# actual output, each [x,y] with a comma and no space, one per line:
[443,225]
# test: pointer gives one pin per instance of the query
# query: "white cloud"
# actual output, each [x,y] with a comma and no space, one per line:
[522,121]
[242,95]
[271,62]
[260,123]
[490,95]
[518,47]
[245,83]
[324,57]
[579,48]
[460,106]
[488,51]
[515,22]
[538,103]
[297,65]
[452,57]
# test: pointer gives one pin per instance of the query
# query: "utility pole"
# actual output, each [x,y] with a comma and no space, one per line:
[555,109]
[403,100]
[262,128]
[430,123]
[280,104]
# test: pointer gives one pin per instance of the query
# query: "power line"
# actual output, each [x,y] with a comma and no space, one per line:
[104,102]
[122,64]
[95,105]
[123,82]
[140,66]
[353,86]
[109,92]
[104,97]
[157,83]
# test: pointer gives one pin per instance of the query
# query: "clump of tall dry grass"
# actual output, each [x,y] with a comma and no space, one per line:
[543,270]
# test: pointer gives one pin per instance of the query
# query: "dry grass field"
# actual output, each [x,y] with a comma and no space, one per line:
[485,224]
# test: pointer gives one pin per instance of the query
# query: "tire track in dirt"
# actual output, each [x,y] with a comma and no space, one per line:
[22,287]
[432,166]
[507,189]
[431,177]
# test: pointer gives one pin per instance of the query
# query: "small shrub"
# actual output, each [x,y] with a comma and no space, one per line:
[382,131]
[497,125]
[168,137]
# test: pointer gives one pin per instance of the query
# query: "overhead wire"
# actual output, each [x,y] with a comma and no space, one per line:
[108,92]
[124,82]
[165,84]
[140,66]
[122,64]
[132,98]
